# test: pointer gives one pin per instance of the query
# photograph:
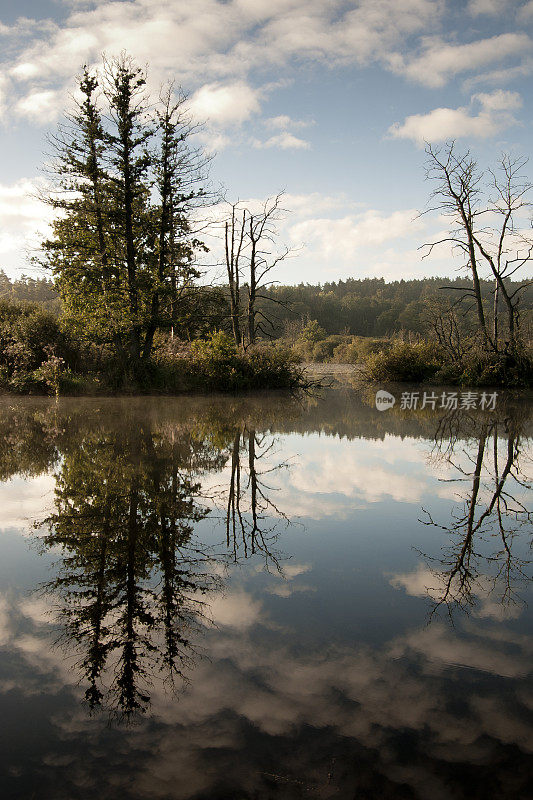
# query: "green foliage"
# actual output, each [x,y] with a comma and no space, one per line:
[311,343]
[51,372]
[219,348]
[215,364]
[479,368]
[404,362]
[30,290]
[311,332]
[122,251]
[372,307]
[33,349]
[426,361]
[358,349]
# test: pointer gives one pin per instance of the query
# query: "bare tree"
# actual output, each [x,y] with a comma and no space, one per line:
[252,252]
[234,231]
[485,226]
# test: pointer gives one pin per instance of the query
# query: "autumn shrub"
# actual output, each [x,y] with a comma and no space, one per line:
[323,350]
[482,368]
[358,348]
[404,362]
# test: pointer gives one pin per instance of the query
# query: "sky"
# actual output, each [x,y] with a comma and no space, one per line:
[330,101]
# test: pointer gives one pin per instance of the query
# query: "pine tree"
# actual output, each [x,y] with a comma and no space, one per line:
[127,182]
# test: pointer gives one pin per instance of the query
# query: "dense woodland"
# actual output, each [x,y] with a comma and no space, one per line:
[355,306]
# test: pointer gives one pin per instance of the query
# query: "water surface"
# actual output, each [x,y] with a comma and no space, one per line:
[264,597]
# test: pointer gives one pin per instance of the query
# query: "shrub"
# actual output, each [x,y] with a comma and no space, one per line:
[215,364]
[479,368]
[346,353]
[33,350]
[323,350]
[404,362]
[311,332]
[51,372]
[358,349]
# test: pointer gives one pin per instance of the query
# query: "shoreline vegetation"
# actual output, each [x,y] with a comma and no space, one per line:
[41,356]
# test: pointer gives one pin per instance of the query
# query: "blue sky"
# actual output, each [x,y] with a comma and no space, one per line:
[327,99]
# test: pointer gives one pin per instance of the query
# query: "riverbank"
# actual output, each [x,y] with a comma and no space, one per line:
[424,361]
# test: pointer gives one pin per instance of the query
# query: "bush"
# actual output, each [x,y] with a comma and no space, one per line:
[425,361]
[480,368]
[215,364]
[33,349]
[405,362]
[311,332]
[346,353]
[323,350]
[358,349]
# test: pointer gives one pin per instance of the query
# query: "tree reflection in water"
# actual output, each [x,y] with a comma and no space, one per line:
[132,514]
[480,556]
[252,517]
[133,576]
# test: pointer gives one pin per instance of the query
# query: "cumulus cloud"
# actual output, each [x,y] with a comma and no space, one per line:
[430,583]
[225,104]
[24,501]
[374,241]
[41,106]
[355,231]
[284,121]
[525,12]
[490,8]
[24,220]
[280,691]
[236,609]
[487,115]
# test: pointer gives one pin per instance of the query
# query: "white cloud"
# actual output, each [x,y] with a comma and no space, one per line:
[285,141]
[440,61]
[24,220]
[284,121]
[24,501]
[225,104]
[41,106]
[426,583]
[495,113]
[211,41]
[501,76]
[525,12]
[355,231]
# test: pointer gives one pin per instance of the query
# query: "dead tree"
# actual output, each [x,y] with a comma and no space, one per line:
[234,239]
[484,226]
[252,252]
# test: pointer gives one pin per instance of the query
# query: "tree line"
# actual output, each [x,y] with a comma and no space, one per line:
[355,306]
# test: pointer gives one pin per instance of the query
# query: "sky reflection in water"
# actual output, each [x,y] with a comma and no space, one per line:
[264,597]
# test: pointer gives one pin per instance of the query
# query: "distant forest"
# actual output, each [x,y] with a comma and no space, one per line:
[30,290]
[361,307]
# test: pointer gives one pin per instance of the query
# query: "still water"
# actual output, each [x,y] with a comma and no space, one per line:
[264,597]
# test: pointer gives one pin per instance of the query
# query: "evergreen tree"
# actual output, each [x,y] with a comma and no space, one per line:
[127,181]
